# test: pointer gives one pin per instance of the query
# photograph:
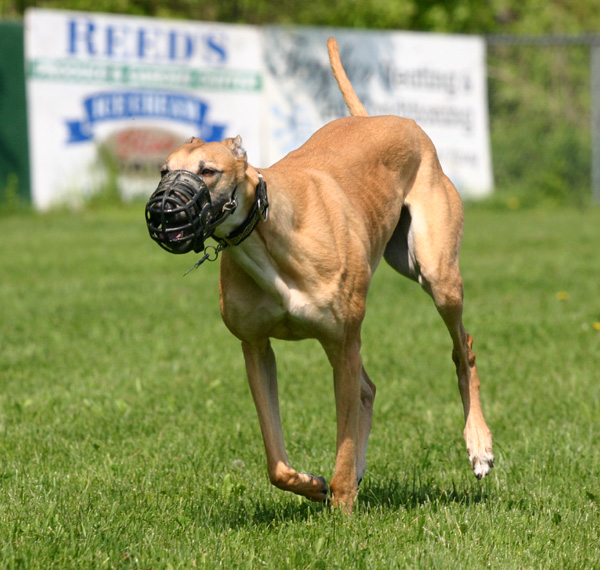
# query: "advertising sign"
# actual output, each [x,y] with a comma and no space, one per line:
[111,96]
[437,80]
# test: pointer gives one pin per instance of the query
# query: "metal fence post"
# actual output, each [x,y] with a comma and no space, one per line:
[595,121]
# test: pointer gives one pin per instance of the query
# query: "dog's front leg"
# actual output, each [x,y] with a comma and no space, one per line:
[347,375]
[262,377]
[367,399]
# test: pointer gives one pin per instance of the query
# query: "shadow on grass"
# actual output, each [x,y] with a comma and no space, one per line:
[412,494]
[374,496]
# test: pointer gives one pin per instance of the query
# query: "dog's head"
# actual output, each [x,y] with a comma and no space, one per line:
[197,192]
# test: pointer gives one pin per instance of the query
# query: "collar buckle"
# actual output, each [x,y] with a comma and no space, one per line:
[262,202]
[258,212]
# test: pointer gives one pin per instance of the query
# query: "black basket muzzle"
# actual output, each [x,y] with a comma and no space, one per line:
[180,214]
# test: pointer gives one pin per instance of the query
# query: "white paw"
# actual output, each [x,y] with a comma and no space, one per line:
[482,463]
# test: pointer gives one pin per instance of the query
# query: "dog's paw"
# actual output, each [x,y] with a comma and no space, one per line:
[479,447]
[482,463]
[318,491]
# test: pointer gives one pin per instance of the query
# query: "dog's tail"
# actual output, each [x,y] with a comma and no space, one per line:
[350,97]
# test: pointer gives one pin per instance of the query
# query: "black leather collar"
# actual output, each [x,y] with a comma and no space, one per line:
[258,212]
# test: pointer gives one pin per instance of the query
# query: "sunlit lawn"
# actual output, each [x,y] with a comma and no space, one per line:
[128,437]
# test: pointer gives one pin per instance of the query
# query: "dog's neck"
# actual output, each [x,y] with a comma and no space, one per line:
[252,207]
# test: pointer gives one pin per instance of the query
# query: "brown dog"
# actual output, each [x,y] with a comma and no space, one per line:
[359,189]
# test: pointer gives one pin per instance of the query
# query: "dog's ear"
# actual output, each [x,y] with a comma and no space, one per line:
[236,148]
[195,140]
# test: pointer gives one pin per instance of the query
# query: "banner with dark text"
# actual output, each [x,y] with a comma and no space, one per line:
[110,96]
[113,95]
[438,80]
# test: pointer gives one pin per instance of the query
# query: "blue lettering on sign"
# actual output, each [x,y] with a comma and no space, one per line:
[181,46]
[114,106]
[81,34]
[159,44]
[217,49]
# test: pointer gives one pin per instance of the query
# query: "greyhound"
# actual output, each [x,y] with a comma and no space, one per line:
[300,242]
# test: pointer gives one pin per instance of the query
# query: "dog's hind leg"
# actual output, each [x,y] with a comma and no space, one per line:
[448,298]
[425,247]
[262,377]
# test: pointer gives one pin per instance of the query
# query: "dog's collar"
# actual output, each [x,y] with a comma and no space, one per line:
[258,212]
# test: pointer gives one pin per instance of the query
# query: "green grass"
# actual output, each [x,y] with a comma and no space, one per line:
[128,438]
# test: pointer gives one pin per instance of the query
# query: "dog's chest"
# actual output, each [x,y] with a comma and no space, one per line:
[294,316]
[278,311]
[286,305]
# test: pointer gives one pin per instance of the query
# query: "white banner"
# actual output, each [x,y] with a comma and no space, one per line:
[437,80]
[113,95]
[110,96]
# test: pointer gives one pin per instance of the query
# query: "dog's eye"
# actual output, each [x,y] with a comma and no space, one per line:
[207,172]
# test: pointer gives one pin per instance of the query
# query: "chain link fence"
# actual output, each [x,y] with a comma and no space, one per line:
[544,97]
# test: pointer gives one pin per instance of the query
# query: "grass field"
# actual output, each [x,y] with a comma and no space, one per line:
[128,438]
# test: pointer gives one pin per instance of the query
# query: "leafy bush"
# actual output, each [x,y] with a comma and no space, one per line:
[540,122]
